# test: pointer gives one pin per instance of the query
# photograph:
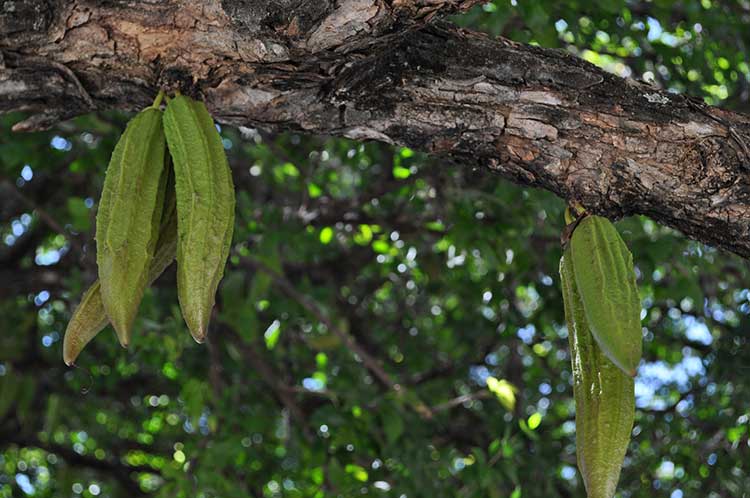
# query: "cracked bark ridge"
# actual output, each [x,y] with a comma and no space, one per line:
[393,71]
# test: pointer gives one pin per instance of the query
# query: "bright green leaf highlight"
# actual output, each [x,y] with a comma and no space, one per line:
[272,333]
[534,420]
[314,191]
[380,246]
[406,152]
[401,173]
[357,472]
[364,236]
[326,234]
[505,392]
[290,169]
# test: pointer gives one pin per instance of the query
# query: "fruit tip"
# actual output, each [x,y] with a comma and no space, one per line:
[198,329]
[123,334]
[199,336]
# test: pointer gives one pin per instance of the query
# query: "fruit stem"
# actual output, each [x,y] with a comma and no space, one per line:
[569,218]
[158,99]
[579,210]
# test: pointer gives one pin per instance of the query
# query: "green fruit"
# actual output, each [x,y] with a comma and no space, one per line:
[127,224]
[205,208]
[605,280]
[604,397]
[89,318]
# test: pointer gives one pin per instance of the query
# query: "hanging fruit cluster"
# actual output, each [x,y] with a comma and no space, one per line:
[167,193]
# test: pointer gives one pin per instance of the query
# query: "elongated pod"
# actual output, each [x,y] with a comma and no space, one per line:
[127,223]
[89,318]
[205,208]
[605,279]
[604,397]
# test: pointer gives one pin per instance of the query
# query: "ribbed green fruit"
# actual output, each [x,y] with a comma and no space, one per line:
[604,397]
[89,318]
[605,279]
[127,223]
[205,208]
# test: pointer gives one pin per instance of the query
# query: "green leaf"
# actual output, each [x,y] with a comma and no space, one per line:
[393,425]
[381,246]
[326,235]
[406,152]
[534,420]
[314,191]
[401,173]
[504,391]
[272,334]
[357,472]
[364,236]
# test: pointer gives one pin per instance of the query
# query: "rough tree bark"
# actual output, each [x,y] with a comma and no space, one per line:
[391,70]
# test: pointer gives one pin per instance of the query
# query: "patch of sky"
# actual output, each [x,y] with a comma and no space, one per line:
[568,473]
[41,298]
[696,330]
[312,384]
[526,334]
[60,143]
[27,173]
[653,376]
[17,228]
[654,29]
[665,470]
[47,257]
[24,483]
[479,374]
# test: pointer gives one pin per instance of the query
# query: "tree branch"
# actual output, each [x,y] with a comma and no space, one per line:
[390,71]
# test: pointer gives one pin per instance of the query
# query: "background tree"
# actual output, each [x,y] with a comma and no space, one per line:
[390,324]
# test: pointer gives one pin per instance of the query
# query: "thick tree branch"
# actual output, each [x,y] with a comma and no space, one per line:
[387,70]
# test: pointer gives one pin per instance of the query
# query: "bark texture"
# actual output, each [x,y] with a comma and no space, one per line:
[391,70]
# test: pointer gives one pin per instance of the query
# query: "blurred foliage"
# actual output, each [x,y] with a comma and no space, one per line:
[695,47]
[388,325]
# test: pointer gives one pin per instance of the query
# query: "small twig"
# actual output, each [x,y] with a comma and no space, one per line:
[452,403]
